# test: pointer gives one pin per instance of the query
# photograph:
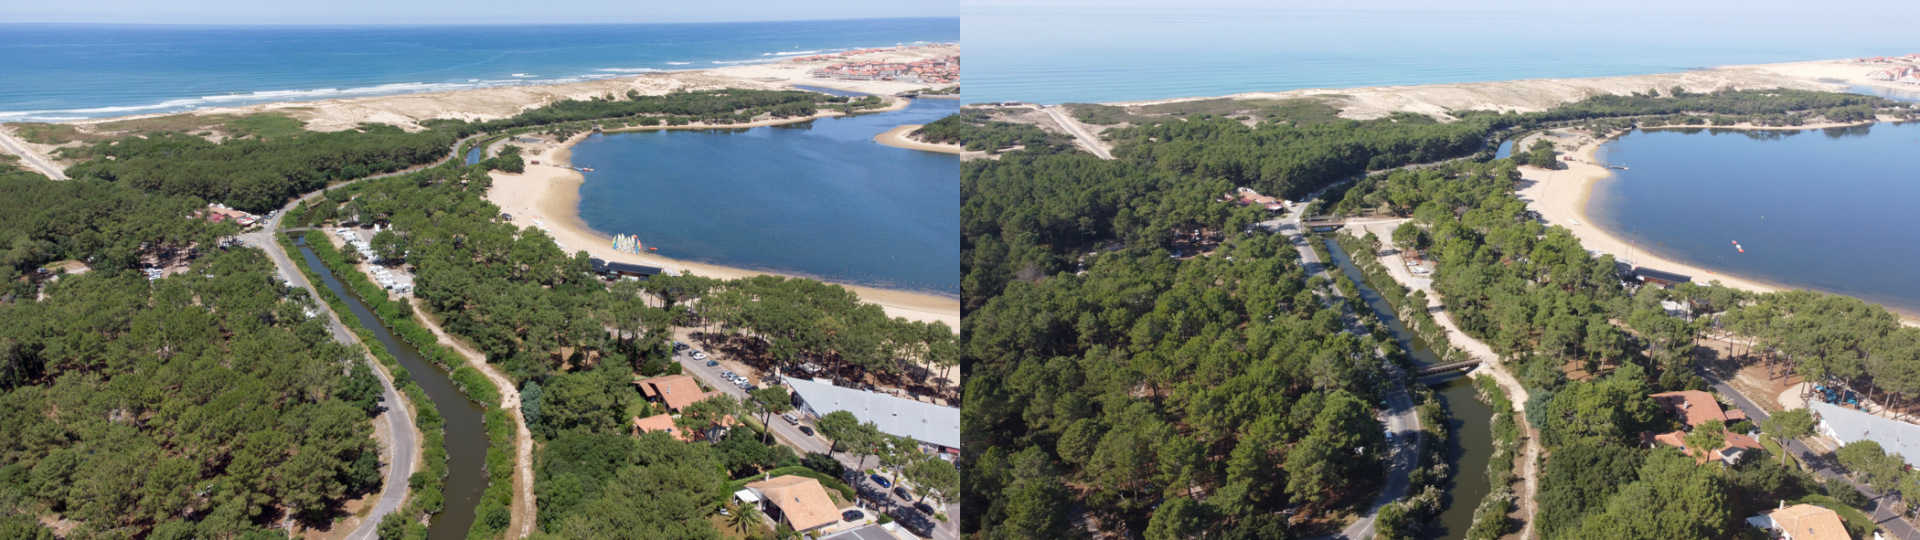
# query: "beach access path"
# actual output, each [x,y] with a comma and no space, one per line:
[32,159]
[524,507]
[1399,415]
[1078,131]
[1489,364]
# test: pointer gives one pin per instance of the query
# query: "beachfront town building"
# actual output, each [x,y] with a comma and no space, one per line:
[674,391]
[1801,522]
[797,501]
[936,427]
[942,70]
[1694,407]
[1843,425]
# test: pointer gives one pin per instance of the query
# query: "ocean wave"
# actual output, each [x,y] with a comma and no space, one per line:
[630,70]
[678,63]
[756,61]
[794,53]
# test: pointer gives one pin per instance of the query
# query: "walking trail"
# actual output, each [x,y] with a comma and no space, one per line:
[523,501]
[1489,363]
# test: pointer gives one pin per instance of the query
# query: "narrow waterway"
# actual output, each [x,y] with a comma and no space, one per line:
[465,430]
[1469,422]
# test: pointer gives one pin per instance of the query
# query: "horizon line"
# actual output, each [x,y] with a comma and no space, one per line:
[70,23]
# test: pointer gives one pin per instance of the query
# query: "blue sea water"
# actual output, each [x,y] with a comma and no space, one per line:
[818,199]
[59,72]
[1120,53]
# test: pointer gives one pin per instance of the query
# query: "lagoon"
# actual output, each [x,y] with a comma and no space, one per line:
[817,199]
[1830,210]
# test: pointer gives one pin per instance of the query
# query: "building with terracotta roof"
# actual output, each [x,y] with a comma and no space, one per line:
[797,501]
[1695,407]
[676,391]
[1802,522]
[659,422]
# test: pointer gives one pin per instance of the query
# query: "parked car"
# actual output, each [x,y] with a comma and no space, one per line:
[902,492]
[882,480]
[852,515]
[790,418]
[711,363]
[697,355]
[924,508]
[726,375]
[678,346]
[806,430]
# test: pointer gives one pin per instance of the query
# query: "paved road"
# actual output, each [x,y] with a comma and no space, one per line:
[1399,416]
[790,435]
[1073,127]
[400,426]
[1887,518]
[404,444]
[30,158]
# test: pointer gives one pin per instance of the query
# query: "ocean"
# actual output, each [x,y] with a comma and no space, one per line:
[818,199]
[1120,53]
[57,72]
[1828,210]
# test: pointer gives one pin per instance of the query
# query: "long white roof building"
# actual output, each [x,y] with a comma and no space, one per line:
[1846,425]
[924,422]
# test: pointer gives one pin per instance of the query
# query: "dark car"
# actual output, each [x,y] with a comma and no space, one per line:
[806,430]
[711,363]
[924,508]
[852,515]
[882,480]
[902,492]
[678,346]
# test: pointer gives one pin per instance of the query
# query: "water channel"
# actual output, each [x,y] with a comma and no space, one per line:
[1469,422]
[466,438]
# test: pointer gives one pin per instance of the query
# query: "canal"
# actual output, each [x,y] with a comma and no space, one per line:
[466,438]
[1469,422]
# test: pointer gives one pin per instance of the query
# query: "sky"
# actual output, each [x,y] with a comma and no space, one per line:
[459,11]
[1826,9]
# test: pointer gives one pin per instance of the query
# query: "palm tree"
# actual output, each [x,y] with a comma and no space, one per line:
[743,517]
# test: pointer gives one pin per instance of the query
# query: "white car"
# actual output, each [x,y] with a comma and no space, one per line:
[697,355]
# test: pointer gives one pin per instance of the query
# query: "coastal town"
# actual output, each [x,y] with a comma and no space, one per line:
[940,70]
[1908,74]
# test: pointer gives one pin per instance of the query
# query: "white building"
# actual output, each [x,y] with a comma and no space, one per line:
[925,422]
[1844,425]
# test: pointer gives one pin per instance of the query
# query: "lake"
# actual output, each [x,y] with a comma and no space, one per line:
[1829,210]
[817,199]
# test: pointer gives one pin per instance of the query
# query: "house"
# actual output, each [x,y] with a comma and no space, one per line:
[1844,425]
[1802,522]
[676,391]
[797,501]
[1659,277]
[659,422]
[930,424]
[1694,408]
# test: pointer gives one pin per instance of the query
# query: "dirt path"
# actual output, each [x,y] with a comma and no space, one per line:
[524,510]
[1490,364]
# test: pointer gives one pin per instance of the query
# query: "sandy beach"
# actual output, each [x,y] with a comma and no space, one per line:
[548,195]
[1561,196]
[897,138]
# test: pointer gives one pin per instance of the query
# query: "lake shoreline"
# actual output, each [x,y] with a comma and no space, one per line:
[897,138]
[548,195]
[1562,197]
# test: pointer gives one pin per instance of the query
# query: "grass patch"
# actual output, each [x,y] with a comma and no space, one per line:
[44,133]
[1292,111]
[834,485]
[259,125]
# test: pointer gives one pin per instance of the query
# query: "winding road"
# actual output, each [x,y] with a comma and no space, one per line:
[400,427]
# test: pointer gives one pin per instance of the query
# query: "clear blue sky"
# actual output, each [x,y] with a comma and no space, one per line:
[460,11]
